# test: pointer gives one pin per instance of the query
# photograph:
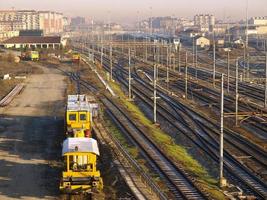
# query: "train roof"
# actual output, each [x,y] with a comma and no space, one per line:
[78,97]
[87,145]
[78,103]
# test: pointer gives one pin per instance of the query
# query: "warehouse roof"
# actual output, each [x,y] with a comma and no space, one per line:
[33,40]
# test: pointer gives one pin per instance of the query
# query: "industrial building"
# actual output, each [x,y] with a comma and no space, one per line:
[202,42]
[33,42]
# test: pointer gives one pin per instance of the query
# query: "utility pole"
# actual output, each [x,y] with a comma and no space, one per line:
[236,94]
[179,70]
[155,94]
[193,51]
[265,96]
[196,63]
[146,49]
[167,68]
[214,60]
[101,55]
[130,78]
[228,70]
[110,58]
[222,180]
[185,75]
[248,65]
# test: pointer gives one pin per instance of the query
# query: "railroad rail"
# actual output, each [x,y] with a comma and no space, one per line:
[123,155]
[181,186]
[233,166]
[11,95]
[251,180]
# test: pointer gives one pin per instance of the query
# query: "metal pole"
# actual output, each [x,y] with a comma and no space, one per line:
[185,75]
[245,63]
[110,58]
[236,94]
[130,78]
[146,48]
[214,61]
[228,71]
[167,68]
[155,95]
[196,63]
[193,51]
[248,65]
[265,96]
[221,135]
[101,56]
[179,59]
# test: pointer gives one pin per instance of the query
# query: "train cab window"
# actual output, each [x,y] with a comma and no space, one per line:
[82,117]
[72,117]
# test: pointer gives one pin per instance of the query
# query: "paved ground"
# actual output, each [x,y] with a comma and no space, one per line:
[30,135]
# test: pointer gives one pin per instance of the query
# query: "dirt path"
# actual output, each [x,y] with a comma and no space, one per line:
[30,135]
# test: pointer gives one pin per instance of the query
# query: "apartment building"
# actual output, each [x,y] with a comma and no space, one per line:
[16,20]
[51,22]
[204,21]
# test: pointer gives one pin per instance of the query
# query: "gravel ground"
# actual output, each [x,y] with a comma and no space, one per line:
[30,136]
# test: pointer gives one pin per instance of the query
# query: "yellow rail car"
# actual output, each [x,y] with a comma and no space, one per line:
[80,173]
[78,116]
[76,57]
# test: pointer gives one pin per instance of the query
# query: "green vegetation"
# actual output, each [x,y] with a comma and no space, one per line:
[174,151]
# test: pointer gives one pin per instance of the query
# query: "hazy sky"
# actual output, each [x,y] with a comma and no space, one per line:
[127,10]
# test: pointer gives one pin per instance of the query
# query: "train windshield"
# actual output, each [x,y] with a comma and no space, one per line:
[83,117]
[72,117]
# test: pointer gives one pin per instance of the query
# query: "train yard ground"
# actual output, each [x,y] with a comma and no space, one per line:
[31,133]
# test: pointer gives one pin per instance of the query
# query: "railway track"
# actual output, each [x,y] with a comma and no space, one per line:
[234,168]
[181,186]
[10,96]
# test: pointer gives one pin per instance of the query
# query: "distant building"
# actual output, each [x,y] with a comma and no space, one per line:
[206,22]
[253,30]
[202,41]
[51,22]
[31,33]
[16,20]
[258,21]
[8,34]
[77,21]
[33,42]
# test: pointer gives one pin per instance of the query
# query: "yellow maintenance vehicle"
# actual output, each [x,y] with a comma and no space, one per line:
[80,173]
[76,57]
[79,114]
[30,55]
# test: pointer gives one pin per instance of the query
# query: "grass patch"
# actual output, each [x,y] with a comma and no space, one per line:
[176,152]
[134,152]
